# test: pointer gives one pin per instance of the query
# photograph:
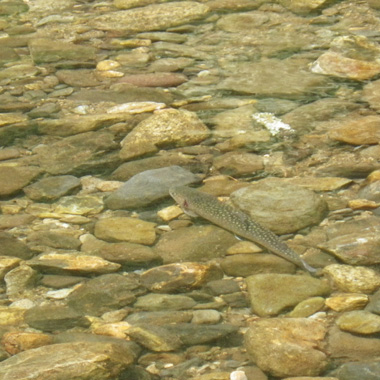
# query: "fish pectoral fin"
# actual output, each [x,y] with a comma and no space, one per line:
[190,213]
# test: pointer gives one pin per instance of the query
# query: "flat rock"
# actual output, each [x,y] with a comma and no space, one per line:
[44,50]
[51,188]
[347,301]
[51,318]
[286,339]
[62,239]
[149,186]
[150,17]
[196,243]
[353,279]
[14,178]
[11,246]
[364,370]
[280,206]
[272,77]
[359,322]
[168,127]
[8,263]
[371,94]
[19,280]
[178,277]
[160,302]
[278,285]
[79,205]
[238,164]
[72,263]
[164,317]
[160,79]
[68,360]
[127,229]
[103,294]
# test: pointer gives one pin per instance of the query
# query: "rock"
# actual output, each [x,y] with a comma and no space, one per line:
[272,77]
[173,278]
[127,229]
[307,307]
[150,17]
[50,318]
[371,94]
[10,221]
[304,6]
[72,263]
[357,131]
[12,7]
[352,57]
[365,370]
[93,148]
[168,127]
[347,302]
[158,302]
[55,239]
[278,285]
[279,206]
[148,187]
[78,78]
[370,192]
[19,280]
[218,287]
[11,316]
[8,263]
[359,322]
[249,264]
[104,293]
[159,317]
[79,205]
[353,279]
[45,50]
[68,360]
[286,339]
[14,178]
[60,281]
[11,246]
[72,125]
[352,347]
[196,243]
[320,183]
[160,79]
[51,188]
[166,159]
[205,317]
[238,164]
[155,338]
[17,341]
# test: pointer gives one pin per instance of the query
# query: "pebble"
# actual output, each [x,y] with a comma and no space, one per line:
[347,301]
[359,322]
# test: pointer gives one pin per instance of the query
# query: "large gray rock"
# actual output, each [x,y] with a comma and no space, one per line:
[280,206]
[148,187]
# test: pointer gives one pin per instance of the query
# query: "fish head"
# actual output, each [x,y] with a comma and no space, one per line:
[185,197]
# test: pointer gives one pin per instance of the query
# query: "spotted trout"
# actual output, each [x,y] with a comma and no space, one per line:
[196,203]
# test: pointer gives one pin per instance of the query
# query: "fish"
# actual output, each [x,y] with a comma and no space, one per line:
[197,203]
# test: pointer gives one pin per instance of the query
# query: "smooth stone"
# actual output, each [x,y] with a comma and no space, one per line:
[45,50]
[11,246]
[150,17]
[72,263]
[155,338]
[278,285]
[353,279]
[46,110]
[78,78]
[20,280]
[286,339]
[51,188]
[374,303]
[238,164]
[320,183]
[363,130]
[308,116]
[279,206]
[149,186]
[60,281]
[205,317]
[159,317]
[50,318]
[304,7]
[223,286]
[159,302]
[171,64]
[168,127]
[127,229]
[10,316]
[179,277]
[359,322]
[347,302]
[72,125]
[68,360]
[371,94]
[55,239]
[356,248]
[8,263]
[363,370]
[14,178]
[18,341]
[79,205]
[160,79]
[196,244]
[103,294]
[307,307]
[272,77]
[352,347]
[370,192]
[94,156]
[249,264]
[11,221]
